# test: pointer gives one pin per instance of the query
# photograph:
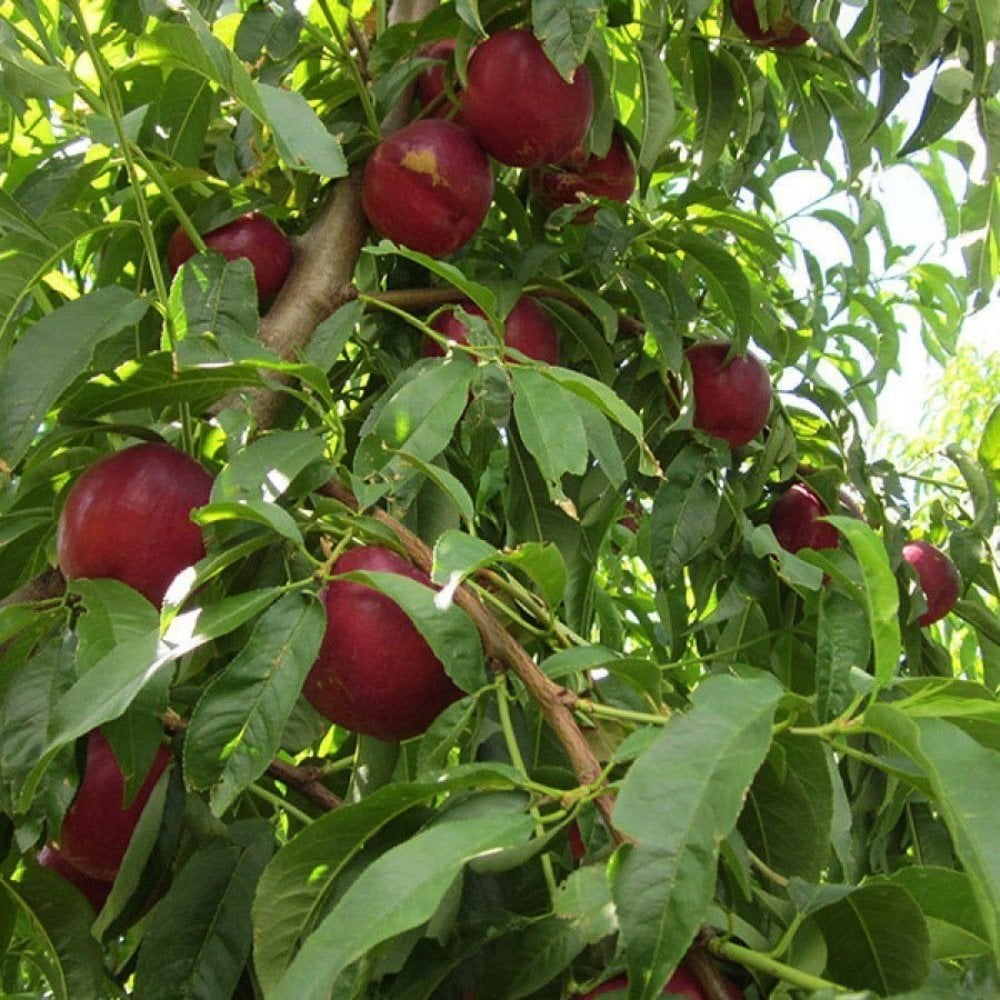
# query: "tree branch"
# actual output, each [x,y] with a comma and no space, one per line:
[48,584]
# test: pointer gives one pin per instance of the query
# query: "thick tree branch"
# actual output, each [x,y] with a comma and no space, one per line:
[555,702]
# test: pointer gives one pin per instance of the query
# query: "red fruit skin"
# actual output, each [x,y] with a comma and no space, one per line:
[527,329]
[97,828]
[782,33]
[938,578]
[611,176]
[577,848]
[430,83]
[794,520]
[682,984]
[375,672]
[128,518]
[731,402]
[96,890]
[519,108]
[253,236]
[428,187]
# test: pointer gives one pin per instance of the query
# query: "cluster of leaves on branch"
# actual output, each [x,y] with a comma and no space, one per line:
[676,739]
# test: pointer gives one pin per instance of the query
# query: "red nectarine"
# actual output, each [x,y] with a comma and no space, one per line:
[938,578]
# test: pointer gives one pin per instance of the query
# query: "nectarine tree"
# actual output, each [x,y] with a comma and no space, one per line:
[546,664]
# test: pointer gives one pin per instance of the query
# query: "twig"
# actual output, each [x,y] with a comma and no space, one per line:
[47,585]
[704,970]
[555,702]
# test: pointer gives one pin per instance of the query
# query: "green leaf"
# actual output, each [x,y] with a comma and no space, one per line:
[296,886]
[716,94]
[301,138]
[235,729]
[395,893]
[684,511]
[658,113]
[789,809]
[725,278]
[881,594]
[50,355]
[565,28]
[679,799]
[877,939]
[843,645]
[989,445]
[948,904]
[458,555]
[264,469]
[201,937]
[958,769]
[58,917]
[270,515]
[550,427]
[544,565]
[447,628]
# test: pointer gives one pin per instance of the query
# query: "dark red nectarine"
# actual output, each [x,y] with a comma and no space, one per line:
[97,827]
[938,578]
[430,83]
[795,520]
[610,176]
[96,890]
[731,401]
[375,672]
[519,108]
[428,187]
[781,33]
[253,236]
[527,329]
[128,518]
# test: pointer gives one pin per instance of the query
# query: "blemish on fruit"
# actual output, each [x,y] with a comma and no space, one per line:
[424,161]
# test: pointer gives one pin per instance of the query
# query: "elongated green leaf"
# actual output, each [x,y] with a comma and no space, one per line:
[680,798]
[724,277]
[57,917]
[565,29]
[201,937]
[448,630]
[881,594]
[877,939]
[658,113]
[50,355]
[843,644]
[399,891]
[716,94]
[550,427]
[265,468]
[236,727]
[457,553]
[269,515]
[684,511]
[989,446]
[302,139]
[215,296]
[958,769]
[298,881]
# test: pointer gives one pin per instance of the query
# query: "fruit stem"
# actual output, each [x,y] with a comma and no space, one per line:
[276,800]
[758,962]
[510,738]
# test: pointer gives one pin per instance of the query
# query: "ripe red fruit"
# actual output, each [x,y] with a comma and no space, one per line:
[731,401]
[253,236]
[781,33]
[375,672]
[128,518]
[682,984]
[96,890]
[938,578]
[97,827]
[577,847]
[430,83]
[518,106]
[527,329]
[428,187]
[609,176]
[795,520]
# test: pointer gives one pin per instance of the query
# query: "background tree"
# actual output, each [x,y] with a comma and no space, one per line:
[668,746]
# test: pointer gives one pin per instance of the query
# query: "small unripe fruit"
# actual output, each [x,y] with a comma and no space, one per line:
[97,827]
[610,176]
[795,520]
[252,236]
[517,105]
[430,83]
[428,187]
[781,33]
[375,672]
[731,401]
[96,890]
[938,578]
[527,329]
[128,518]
